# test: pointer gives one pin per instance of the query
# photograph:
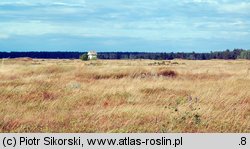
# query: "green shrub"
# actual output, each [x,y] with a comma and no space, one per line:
[84,57]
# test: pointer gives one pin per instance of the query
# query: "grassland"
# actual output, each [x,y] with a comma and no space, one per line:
[124,96]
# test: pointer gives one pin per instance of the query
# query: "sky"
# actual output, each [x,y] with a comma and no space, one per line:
[124,25]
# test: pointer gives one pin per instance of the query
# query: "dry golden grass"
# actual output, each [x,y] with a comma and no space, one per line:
[124,96]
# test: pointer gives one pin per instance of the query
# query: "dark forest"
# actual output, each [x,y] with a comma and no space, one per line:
[227,54]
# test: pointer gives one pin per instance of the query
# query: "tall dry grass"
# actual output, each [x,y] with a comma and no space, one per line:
[124,96]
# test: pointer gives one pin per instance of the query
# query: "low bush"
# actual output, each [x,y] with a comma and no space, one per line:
[84,57]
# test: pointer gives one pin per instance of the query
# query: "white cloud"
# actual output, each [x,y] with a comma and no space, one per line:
[19,3]
[226,6]
[145,30]
[69,3]
[4,36]
[37,28]
[240,7]
[202,1]
[25,28]
[90,21]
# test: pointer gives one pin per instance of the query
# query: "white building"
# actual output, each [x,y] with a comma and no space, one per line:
[92,55]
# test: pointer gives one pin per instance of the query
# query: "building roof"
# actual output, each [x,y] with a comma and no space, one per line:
[92,53]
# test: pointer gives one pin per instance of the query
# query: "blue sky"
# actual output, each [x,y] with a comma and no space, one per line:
[124,25]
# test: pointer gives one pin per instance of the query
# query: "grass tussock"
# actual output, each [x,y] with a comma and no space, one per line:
[128,74]
[167,73]
[124,96]
[115,75]
[205,76]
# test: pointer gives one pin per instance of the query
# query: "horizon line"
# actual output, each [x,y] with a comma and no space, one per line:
[194,51]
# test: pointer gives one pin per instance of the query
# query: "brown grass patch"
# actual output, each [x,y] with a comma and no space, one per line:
[10,125]
[167,73]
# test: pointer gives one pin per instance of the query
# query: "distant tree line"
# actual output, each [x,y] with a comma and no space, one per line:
[244,55]
[234,54]
[227,54]
[42,55]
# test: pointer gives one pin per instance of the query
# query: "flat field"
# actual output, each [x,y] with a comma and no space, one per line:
[124,96]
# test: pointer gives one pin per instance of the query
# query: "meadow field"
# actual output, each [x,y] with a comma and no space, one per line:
[124,96]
